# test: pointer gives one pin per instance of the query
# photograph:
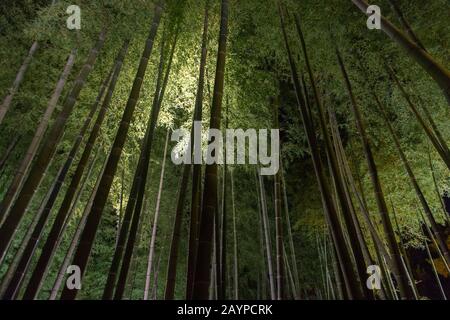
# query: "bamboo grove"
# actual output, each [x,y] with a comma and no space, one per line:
[89,185]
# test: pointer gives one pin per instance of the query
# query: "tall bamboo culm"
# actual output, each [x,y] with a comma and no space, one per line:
[82,253]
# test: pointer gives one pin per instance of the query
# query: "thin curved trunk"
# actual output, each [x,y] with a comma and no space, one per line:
[43,159]
[261,243]
[235,241]
[290,277]
[155,223]
[267,237]
[122,192]
[53,236]
[25,163]
[280,294]
[6,103]
[222,292]
[396,264]
[209,205]
[349,277]
[438,72]
[217,265]
[88,235]
[290,238]
[279,240]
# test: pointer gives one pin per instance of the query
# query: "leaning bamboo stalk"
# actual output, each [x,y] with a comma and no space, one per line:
[25,163]
[327,273]
[6,103]
[235,241]
[278,219]
[261,240]
[155,222]
[321,263]
[435,128]
[75,239]
[134,264]
[121,202]
[222,286]
[60,239]
[445,154]
[290,238]
[267,237]
[438,72]
[290,277]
